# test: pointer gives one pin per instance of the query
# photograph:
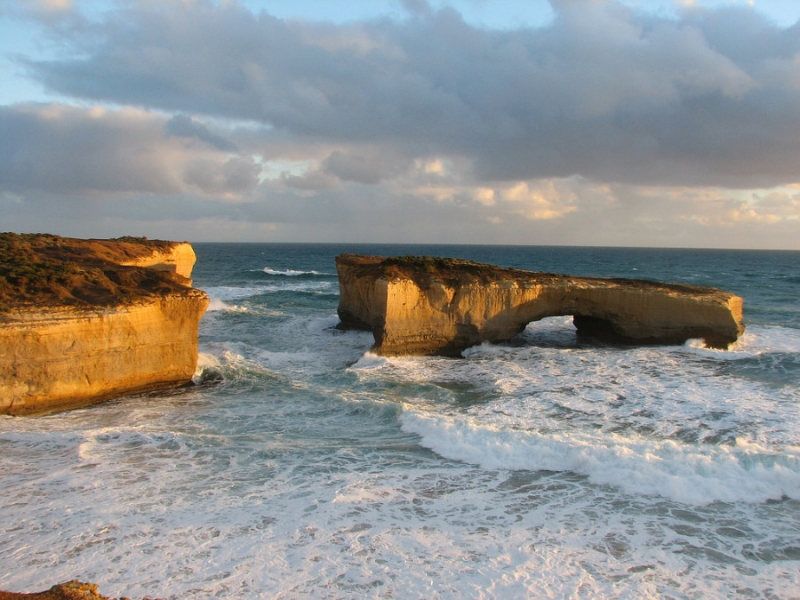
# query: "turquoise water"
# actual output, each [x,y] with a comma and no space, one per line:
[547,466]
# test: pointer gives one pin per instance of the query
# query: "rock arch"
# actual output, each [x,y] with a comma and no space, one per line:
[423,305]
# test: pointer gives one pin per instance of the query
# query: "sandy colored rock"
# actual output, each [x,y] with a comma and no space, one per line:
[71,590]
[79,325]
[178,258]
[423,305]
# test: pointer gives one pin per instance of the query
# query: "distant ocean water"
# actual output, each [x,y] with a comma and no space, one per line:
[545,467]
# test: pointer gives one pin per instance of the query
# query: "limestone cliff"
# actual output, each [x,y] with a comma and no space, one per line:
[443,306]
[79,324]
[178,258]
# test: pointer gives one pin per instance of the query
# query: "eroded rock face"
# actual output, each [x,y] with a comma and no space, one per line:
[79,325]
[443,306]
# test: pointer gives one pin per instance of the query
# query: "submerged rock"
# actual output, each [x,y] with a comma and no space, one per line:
[83,321]
[424,305]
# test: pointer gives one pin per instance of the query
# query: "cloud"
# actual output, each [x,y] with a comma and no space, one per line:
[54,5]
[712,98]
[68,149]
[543,202]
[605,126]
[185,126]
[311,180]
[364,168]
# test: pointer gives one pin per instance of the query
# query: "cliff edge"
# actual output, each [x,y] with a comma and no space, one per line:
[83,321]
[424,305]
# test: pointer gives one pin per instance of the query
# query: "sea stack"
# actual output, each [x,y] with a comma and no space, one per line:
[83,321]
[424,305]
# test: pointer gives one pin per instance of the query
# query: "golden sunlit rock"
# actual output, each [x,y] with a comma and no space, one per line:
[423,305]
[79,324]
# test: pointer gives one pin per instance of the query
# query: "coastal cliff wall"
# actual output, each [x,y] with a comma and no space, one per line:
[443,306]
[67,358]
[97,328]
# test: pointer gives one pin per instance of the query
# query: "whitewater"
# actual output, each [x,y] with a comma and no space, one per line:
[304,465]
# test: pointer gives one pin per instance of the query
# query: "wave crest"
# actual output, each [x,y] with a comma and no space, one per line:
[691,473]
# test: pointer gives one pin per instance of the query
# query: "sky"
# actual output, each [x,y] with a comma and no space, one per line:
[655,123]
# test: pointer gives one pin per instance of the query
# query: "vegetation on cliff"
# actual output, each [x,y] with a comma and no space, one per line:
[424,270]
[42,270]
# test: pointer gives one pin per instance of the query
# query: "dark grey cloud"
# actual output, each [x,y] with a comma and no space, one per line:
[185,126]
[312,180]
[709,98]
[365,168]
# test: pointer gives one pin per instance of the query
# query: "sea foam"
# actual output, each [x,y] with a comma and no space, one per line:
[694,474]
[545,467]
[290,272]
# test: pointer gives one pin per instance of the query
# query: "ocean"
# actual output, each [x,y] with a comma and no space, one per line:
[546,467]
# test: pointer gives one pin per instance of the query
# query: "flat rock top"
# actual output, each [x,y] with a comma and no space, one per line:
[46,271]
[425,270]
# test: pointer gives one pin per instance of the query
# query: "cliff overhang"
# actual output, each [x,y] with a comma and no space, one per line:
[83,321]
[441,306]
